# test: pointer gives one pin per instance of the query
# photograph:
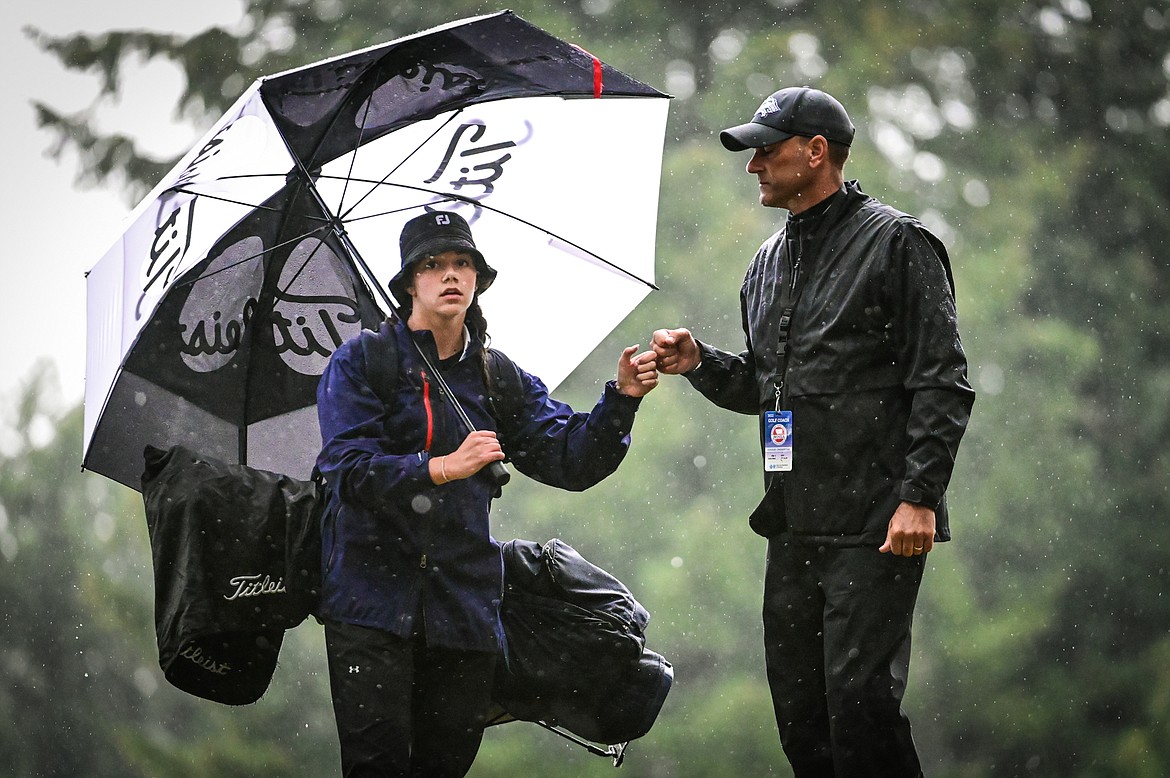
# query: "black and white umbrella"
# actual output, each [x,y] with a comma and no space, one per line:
[212,318]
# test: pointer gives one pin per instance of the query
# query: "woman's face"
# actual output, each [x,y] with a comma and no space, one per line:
[443,286]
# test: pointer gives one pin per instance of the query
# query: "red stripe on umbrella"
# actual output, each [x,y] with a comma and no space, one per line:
[597,86]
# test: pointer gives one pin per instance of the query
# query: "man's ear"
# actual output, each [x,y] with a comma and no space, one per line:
[817,148]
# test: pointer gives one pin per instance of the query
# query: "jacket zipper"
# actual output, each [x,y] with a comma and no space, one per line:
[422,563]
[333,536]
[430,413]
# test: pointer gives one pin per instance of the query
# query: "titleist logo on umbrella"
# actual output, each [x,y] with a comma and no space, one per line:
[254,586]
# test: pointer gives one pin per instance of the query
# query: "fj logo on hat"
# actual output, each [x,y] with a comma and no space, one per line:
[430,234]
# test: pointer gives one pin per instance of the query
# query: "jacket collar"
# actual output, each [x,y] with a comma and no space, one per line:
[835,208]
[812,215]
[471,342]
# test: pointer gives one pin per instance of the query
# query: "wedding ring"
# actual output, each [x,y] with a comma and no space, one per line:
[918,548]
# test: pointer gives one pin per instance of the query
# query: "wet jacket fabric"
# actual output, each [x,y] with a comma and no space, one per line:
[875,375]
[395,546]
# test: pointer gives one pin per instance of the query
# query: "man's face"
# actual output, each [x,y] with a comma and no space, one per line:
[784,175]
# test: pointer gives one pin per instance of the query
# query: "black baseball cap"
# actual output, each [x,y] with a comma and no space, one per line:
[795,110]
[433,233]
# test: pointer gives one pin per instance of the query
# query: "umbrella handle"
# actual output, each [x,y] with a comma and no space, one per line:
[499,474]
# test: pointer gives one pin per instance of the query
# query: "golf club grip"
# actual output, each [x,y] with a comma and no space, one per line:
[499,473]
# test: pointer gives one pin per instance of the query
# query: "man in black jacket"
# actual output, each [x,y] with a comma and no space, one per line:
[855,367]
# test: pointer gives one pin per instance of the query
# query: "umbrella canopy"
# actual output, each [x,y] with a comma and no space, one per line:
[271,242]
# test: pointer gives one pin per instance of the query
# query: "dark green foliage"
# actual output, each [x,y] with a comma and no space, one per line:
[82,691]
[1042,646]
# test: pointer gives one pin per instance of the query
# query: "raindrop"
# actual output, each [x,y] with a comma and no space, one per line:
[805,48]
[892,143]
[680,79]
[41,431]
[1052,22]
[929,167]
[802,44]
[976,193]
[596,7]
[727,45]
[103,527]
[145,681]
[1160,112]
[9,546]
[990,379]
[958,114]
[421,504]
[1077,9]
[676,562]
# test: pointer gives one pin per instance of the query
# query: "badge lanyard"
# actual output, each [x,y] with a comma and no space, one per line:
[778,423]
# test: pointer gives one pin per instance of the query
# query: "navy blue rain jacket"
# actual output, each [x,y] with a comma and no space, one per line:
[395,545]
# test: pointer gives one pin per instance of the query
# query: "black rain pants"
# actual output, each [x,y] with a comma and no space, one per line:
[405,709]
[837,647]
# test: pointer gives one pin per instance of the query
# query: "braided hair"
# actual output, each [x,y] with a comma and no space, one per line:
[477,323]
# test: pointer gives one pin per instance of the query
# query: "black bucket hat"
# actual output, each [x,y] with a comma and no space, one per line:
[433,233]
[796,110]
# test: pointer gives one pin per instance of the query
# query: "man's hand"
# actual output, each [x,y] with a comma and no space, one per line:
[677,351]
[911,531]
[636,375]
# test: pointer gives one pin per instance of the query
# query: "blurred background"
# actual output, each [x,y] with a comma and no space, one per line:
[1030,136]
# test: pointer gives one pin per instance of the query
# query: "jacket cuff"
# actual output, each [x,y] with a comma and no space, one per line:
[422,473]
[914,494]
[706,354]
[613,395]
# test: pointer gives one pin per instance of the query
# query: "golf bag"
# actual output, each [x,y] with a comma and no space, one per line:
[576,653]
[237,561]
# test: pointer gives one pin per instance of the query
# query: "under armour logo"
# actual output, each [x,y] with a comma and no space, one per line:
[354,669]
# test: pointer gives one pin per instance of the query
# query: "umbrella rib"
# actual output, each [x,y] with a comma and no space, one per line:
[267,250]
[301,166]
[231,201]
[451,196]
[353,161]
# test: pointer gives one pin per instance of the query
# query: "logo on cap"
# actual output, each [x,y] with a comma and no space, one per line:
[768,107]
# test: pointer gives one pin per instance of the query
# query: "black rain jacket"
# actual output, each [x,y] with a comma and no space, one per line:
[875,376]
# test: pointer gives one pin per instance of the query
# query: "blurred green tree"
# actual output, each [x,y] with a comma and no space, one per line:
[82,690]
[1031,136]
